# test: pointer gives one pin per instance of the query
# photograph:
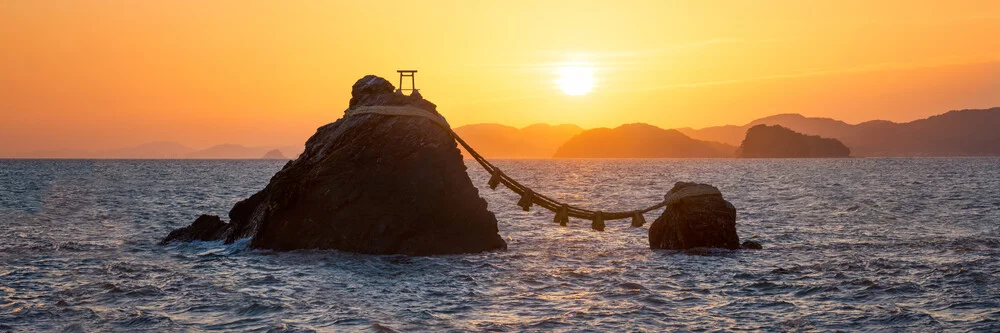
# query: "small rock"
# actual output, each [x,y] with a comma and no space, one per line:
[205,228]
[632,286]
[696,216]
[752,245]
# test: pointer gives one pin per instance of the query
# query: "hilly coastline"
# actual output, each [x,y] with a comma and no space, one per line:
[639,141]
[955,133]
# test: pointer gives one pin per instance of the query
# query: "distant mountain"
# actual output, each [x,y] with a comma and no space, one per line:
[229,151]
[639,141]
[777,141]
[150,150]
[956,133]
[274,154]
[501,141]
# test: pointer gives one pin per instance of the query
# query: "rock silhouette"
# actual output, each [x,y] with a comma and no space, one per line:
[274,154]
[780,142]
[696,216]
[369,183]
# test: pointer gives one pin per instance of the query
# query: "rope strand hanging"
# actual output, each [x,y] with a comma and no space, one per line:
[528,197]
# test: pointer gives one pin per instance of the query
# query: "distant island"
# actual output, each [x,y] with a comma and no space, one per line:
[764,141]
[274,154]
[639,141]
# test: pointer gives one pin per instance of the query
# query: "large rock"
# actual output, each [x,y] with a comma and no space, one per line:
[371,183]
[696,215]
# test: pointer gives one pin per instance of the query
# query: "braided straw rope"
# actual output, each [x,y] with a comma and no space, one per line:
[528,197]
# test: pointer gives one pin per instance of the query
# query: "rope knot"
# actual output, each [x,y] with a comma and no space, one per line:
[526,201]
[562,216]
[637,219]
[494,180]
[598,222]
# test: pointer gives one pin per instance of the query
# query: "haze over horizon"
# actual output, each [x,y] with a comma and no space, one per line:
[92,75]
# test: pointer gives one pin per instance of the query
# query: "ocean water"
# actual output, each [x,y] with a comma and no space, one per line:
[849,245]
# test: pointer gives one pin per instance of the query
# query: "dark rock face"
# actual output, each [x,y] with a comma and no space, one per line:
[779,142]
[374,184]
[696,216]
[205,228]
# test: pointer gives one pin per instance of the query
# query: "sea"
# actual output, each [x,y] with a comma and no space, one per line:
[861,244]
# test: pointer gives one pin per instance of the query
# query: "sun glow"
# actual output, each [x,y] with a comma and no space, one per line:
[575,80]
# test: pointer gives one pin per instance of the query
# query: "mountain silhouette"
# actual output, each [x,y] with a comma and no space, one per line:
[777,141]
[501,141]
[970,132]
[956,133]
[639,141]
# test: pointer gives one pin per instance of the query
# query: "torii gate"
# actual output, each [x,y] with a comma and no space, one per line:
[407,73]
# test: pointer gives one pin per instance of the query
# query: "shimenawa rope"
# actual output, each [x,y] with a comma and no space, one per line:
[528,197]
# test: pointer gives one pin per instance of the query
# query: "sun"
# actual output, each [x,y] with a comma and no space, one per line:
[575,80]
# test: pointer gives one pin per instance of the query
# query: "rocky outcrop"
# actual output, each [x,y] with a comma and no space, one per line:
[371,183]
[696,216]
[205,228]
[779,142]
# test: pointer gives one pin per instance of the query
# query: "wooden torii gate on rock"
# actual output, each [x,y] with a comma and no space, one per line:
[411,73]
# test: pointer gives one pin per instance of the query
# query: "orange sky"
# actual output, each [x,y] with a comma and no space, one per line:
[102,74]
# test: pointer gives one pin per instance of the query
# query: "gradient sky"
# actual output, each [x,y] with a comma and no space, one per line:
[102,74]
